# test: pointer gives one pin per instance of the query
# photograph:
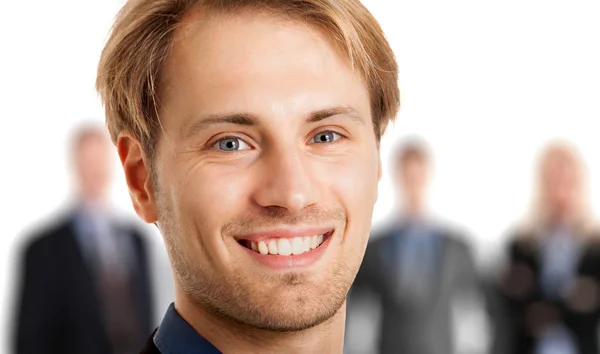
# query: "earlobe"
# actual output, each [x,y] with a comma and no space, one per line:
[138,176]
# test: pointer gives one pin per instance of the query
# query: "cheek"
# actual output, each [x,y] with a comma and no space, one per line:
[200,200]
[356,188]
[209,197]
[354,182]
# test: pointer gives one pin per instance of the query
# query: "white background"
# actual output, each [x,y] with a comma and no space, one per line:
[485,83]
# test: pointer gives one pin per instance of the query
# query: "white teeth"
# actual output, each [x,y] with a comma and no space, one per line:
[314,242]
[272,247]
[286,247]
[306,243]
[298,245]
[262,248]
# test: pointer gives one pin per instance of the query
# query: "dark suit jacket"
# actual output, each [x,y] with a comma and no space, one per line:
[424,328]
[150,347]
[59,311]
[528,306]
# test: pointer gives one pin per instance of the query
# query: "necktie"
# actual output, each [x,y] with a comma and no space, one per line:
[560,258]
[114,283]
[416,263]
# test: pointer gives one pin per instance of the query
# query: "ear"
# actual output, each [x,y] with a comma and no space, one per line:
[380,172]
[138,177]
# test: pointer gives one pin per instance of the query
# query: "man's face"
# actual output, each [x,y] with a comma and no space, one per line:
[93,167]
[414,174]
[560,184]
[269,148]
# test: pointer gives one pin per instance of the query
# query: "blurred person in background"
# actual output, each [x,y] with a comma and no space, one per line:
[421,274]
[552,279]
[85,285]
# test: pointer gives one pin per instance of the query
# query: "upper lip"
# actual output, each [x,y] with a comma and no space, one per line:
[284,233]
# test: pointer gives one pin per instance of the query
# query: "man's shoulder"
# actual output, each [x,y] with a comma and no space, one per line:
[456,242]
[40,244]
[454,234]
[134,228]
[377,240]
[381,234]
[48,234]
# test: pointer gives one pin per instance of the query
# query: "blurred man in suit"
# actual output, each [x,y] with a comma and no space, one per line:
[85,285]
[420,273]
[552,280]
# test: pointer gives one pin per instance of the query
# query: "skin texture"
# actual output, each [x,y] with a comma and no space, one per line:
[253,82]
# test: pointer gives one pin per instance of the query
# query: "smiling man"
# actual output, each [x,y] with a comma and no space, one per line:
[249,133]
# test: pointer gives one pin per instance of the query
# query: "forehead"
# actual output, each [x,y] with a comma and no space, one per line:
[90,140]
[560,157]
[233,41]
[274,59]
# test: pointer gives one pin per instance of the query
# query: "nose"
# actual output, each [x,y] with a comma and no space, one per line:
[286,181]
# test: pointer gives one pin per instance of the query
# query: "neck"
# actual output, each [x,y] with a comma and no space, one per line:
[92,202]
[413,209]
[231,337]
[561,217]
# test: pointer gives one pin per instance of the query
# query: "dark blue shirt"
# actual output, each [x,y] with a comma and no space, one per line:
[411,239]
[176,336]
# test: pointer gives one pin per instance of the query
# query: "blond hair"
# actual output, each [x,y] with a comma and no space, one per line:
[132,60]
[538,218]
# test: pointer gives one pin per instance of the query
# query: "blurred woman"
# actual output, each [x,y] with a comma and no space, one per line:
[552,282]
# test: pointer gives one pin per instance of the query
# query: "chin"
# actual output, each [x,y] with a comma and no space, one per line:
[289,308]
[293,318]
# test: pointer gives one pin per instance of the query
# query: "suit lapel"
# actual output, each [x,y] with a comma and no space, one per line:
[84,273]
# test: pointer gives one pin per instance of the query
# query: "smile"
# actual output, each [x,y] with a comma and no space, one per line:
[285,246]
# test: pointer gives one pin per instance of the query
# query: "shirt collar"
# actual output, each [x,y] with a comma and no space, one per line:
[176,336]
[411,223]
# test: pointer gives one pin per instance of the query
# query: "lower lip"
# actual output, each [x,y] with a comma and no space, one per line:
[293,261]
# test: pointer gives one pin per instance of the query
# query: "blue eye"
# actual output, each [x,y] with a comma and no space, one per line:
[325,137]
[231,144]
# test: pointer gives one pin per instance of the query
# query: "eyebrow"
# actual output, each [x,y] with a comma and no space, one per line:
[320,115]
[249,119]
